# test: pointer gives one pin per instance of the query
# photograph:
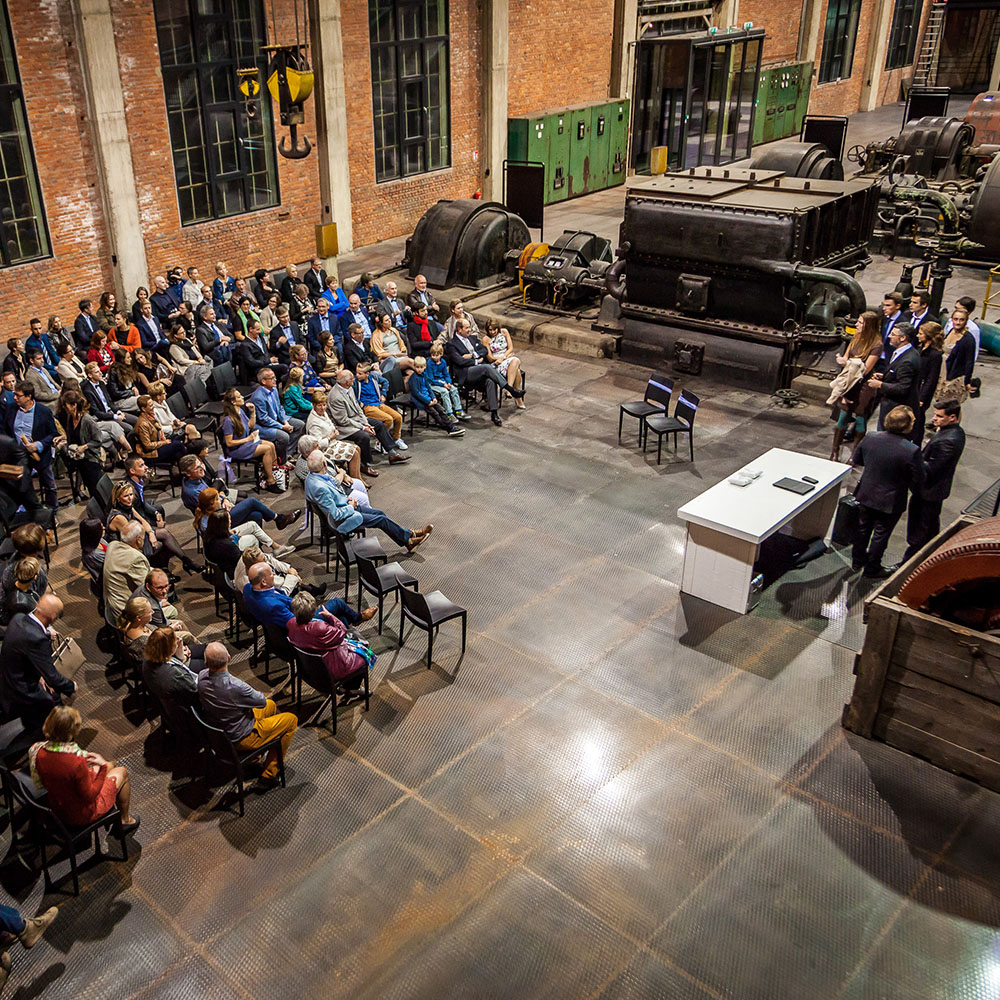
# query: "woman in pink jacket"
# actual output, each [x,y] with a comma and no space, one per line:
[325,635]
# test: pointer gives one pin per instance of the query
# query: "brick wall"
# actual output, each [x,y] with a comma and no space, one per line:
[265,238]
[381,211]
[780,19]
[559,54]
[44,36]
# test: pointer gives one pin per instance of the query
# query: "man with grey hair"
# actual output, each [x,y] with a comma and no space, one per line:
[125,570]
[345,514]
[350,420]
[242,712]
[355,488]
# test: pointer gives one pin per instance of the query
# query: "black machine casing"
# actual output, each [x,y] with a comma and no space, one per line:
[758,264]
[464,242]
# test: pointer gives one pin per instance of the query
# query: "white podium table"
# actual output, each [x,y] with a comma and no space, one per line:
[727,523]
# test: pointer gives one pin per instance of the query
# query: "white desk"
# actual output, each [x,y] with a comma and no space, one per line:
[727,523]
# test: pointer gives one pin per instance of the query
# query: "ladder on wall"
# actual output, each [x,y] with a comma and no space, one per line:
[925,71]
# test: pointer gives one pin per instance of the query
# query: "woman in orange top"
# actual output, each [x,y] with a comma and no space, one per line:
[82,786]
[124,334]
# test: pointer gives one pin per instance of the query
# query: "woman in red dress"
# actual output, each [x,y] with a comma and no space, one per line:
[82,786]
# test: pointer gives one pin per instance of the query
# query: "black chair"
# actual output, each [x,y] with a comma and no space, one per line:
[278,645]
[682,422]
[45,825]
[312,670]
[253,626]
[349,549]
[659,389]
[219,747]
[197,397]
[168,466]
[180,409]
[428,612]
[223,377]
[382,581]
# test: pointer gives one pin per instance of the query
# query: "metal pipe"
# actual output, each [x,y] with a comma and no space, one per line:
[802,272]
[945,205]
[613,283]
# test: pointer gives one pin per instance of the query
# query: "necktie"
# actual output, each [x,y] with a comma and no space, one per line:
[48,381]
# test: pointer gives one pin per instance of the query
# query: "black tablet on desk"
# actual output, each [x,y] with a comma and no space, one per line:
[795,485]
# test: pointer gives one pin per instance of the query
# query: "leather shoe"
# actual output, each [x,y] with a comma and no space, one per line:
[495,417]
[516,393]
[395,458]
[284,520]
[877,573]
[369,471]
[316,589]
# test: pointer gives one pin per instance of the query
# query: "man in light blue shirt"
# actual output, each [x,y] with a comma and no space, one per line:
[272,421]
[356,313]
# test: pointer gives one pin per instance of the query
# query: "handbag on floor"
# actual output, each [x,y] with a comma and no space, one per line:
[845,524]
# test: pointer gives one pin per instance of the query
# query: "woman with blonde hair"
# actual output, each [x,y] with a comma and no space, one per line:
[135,626]
[172,426]
[82,786]
[858,403]
[320,426]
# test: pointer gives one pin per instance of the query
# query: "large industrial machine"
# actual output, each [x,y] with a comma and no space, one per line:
[745,274]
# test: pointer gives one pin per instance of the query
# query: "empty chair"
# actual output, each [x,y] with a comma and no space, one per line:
[220,748]
[682,422]
[656,400]
[223,377]
[348,551]
[428,612]
[201,405]
[178,406]
[381,581]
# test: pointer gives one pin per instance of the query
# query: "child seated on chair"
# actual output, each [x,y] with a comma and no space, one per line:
[439,381]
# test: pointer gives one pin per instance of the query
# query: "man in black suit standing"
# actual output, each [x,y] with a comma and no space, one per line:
[892,467]
[315,279]
[940,458]
[33,428]
[899,384]
[30,685]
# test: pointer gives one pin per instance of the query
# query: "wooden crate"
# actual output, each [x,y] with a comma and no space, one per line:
[928,686]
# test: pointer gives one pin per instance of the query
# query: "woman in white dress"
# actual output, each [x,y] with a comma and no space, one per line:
[320,426]
[500,346]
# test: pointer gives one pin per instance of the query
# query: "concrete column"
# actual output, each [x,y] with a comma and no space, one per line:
[331,120]
[626,26]
[812,25]
[495,32]
[110,142]
[878,45]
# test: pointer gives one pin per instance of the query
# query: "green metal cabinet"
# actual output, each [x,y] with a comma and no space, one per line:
[618,143]
[528,140]
[600,146]
[782,101]
[579,150]
[557,185]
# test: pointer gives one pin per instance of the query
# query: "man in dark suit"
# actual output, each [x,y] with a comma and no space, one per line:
[356,313]
[30,685]
[323,321]
[892,467]
[33,427]
[899,384]
[38,340]
[356,350]
[150,331]
[392,305]
[940,458]
[420,294]
[85,325]
[256,355]
[919,309]
[467,359]
[211,339]
[315,279]
[284,335]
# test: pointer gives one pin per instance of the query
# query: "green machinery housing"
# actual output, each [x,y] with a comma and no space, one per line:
[583,148]
[782,101]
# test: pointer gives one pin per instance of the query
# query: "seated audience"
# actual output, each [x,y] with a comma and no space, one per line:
[423,398]
[392,347]
[123,383]
[299,358]
[223,287]
[212,341]
[125,570]
[421,296]
[124,334]
[373,390]
[273,607]
[273,423]
[356,313]
[70,366]
[150,441]
[105,314]
[141,299]
[85,325]
[240,509]
[293,398]
[391,305]
[15,360]
[255,354]
[263,286]
[81,443]
[170,673]
[368,291]
[159,542]
[135,625]
[155,590]
[45,384]
[172,427]
[246,716]
[248,532]
[456,313]
[324,634]
[420,332]
[352,424]
[356,350]
[439,379]
[186,358]
[315,278]
[93,548]
[300,307]
[27,587]
[32,429]
[468,362]
[243,439]
[286,577]
[221,545]
[30,684]
[269,314]
[345,515]
[500,353]
[334,294]
[323,321]
[82,786]
[320,426]
[98,352]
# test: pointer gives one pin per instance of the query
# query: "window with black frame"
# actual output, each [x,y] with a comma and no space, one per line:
[410,86]
[23,233]
[839,37]
[224,161]
[903,33]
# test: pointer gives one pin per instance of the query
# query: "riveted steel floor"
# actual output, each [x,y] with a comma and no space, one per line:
[618,791]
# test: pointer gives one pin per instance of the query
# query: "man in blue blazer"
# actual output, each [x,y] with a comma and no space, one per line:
[323,320]
[355,313]
[900,382]
[85,326]
[33,427]
[893,467]
[272,421]
[284,335]
[38,340]
[271,606]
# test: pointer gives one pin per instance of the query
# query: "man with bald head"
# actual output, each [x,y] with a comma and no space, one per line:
[274,607]
[421,294]
[242,712]
[30,685]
